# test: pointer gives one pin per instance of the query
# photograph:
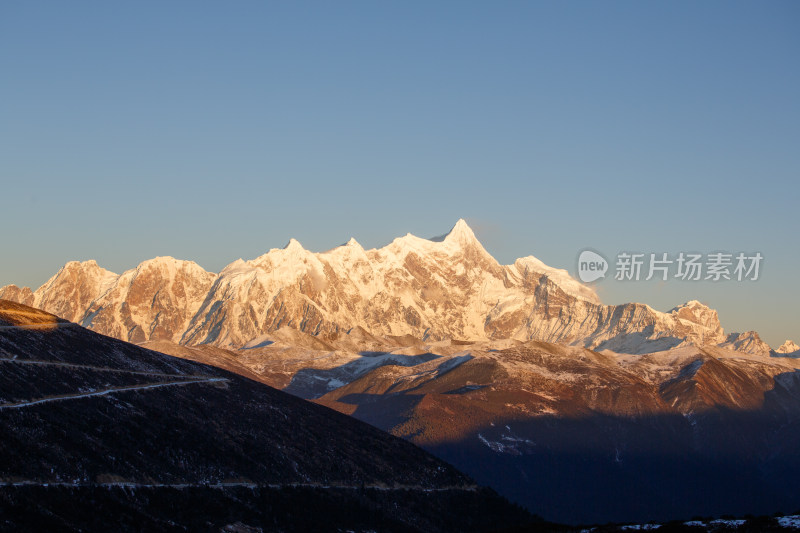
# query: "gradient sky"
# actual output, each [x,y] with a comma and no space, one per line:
[216,130]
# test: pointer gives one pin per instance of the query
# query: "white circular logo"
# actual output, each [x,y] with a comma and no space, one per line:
[591,266]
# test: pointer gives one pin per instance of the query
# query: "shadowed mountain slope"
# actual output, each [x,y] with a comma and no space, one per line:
[575,435]
[100,434]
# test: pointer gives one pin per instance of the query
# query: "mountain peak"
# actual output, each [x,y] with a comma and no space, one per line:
[692,306]
[694,303]
[293,245]
[747,342]
[694,314]
[788,347]
[159,260]
[91,263]
[80,268]
[461,233]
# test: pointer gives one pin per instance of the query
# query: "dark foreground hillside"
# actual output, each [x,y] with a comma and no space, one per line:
[102,435]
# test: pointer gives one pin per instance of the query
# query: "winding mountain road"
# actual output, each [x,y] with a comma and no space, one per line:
[103,392]
[234,484]
[16,360]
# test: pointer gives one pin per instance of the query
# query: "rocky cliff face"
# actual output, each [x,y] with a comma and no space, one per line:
[447,287]
[156,300]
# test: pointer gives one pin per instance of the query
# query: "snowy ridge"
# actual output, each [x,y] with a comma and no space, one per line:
[432,289]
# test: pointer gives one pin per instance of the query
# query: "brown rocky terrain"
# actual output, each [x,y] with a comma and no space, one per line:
[574,434]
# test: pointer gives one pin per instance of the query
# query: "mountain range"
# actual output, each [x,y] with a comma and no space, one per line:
[431,289]
[515,374]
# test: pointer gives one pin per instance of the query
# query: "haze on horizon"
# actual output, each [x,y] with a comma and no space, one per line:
[215,132]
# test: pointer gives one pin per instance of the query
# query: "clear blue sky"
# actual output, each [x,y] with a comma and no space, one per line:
[216,130]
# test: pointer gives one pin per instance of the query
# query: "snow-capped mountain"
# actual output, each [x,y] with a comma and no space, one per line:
[748,342]
[788,348]
[446,287]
